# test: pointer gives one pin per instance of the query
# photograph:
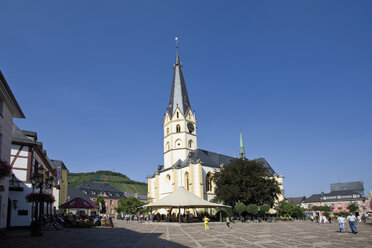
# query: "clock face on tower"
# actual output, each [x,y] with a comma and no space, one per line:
[190,126]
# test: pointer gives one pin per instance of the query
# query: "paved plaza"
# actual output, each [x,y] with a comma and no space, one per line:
[133,234]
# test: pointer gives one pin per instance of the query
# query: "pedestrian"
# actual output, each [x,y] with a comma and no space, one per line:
[206,227]
[352,222]
[312,218]
[228,222]
[341,223]
[330,219]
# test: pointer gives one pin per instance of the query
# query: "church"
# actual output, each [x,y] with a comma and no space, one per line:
[185,165]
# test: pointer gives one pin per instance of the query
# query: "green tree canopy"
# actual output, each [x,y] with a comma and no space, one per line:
[264,209]
[246,181]
[252,209]
[291,209]
[322,208]
[353,207]
[240,208]
[129,205]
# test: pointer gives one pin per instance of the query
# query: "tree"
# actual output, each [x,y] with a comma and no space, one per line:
[246,181]
[129,205]
[101,201]
[252,209]
[322,208]
[240,208]
[353,207]
[264,209]
[291,209]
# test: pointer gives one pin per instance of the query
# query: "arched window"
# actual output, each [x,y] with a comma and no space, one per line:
[167,130]
[191,144]
[168,177]
[189,115]
[178,128]
[187,181]
[208,182]
[167,146]
[178,115]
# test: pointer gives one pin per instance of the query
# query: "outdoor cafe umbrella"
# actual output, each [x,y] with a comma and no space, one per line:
[78,202]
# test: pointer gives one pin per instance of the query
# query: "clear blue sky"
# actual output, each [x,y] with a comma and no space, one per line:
[93,79]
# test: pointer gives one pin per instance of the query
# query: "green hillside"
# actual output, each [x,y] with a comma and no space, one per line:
[115,179]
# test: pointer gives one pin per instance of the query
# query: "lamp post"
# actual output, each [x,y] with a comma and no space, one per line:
[38,180]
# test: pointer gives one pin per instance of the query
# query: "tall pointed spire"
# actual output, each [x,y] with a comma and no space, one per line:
[178,97]
[242,150]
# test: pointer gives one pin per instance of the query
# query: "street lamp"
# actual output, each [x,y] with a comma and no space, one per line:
[39,181]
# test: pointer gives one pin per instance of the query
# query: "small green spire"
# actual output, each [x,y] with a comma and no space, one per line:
[242,150]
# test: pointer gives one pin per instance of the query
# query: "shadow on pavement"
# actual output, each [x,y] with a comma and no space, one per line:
[86,237]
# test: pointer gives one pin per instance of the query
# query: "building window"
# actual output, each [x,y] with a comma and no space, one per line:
[187,181]
[111,202]
[340,205]
[178,143]
[167,146]
[178,116]
[168,178]
[167,130]
[189,115]
[190,144]
[208,182]
[178,128]
[111,211]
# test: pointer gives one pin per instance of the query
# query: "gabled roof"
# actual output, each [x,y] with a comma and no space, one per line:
[178,97]
[59,163]
[76,192]
[296,200]
[354,186]
[7,95]
[138,196]
[313,198]
[18,135]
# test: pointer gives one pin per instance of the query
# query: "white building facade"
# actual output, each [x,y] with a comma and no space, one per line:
[9,109]
[27,155]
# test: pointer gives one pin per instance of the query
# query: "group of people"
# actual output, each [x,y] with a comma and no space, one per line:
[352,223]
[81,219]
[341,220]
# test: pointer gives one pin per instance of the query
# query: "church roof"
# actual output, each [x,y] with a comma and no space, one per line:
[213,159]
[178,97]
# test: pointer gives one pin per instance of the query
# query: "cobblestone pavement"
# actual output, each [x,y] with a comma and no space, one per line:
[133,234]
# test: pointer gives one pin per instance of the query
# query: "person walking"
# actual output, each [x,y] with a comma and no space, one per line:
[341,223]
[228,222]
[352,222]
[206,226]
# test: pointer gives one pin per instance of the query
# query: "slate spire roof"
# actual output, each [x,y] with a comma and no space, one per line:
[178,97]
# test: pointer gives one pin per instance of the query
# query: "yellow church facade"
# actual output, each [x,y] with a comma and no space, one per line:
[185,165]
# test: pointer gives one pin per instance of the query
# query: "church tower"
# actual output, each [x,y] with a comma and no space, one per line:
[179,121]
